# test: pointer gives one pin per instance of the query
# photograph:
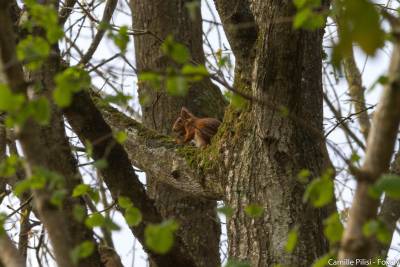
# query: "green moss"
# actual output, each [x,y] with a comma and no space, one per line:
[202,159]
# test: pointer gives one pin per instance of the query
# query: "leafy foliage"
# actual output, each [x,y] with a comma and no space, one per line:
[292,240]
[237,263]
[98,220]
[9,166]
[303,175]
[308,16]
[82,251]
[83,189]
[19,110]
[132,215]
[121,39]
[333,229]
[254,211]
[177,78]
[45,17]
[33,50]
[362,28]
[323,261]
[237,101]
[378,229]
[160,237]
[69,82]
[40,179]
[174,50]
[225,210]
[320,191]
[389,184]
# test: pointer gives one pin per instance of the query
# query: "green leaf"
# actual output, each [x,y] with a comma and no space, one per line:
[33,50]
[120,137]
[79,213]
[82,251]
[160,237]
[9,165]
[299,3]
[320,191]
[308,20]
[333,228]
[95,220]
[254,211]
[94,195]
[57,197]
[323,261]
[198,72]
[121,39]
[355,157]
[80,190]
[236,100]
[110,225]
[38,180]
[292,240]
[306,17]
[390,184]
[118,99]
[133,216]
[378,229]
[9,101]
[178,52]
[40,110]
[89,148]
[363,28]
[46,17]
[152,79]
[69,82]
[177,86]
[303,175]
[100,164]
[237,263]
[226,210]
[124,202]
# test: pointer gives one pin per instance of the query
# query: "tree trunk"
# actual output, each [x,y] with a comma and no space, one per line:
[264,149]
[199,225]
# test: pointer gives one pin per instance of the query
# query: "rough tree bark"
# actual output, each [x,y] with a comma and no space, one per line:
[263,150]
[200,227]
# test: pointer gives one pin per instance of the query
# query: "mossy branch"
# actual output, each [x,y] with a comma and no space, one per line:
[181,166]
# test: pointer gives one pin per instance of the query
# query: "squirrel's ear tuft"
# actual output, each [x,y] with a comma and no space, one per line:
[185,113]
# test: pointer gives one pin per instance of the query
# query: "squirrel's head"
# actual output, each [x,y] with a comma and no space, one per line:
[178,125]
[186,114]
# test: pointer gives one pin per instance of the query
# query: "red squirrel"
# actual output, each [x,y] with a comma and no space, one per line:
[189,127]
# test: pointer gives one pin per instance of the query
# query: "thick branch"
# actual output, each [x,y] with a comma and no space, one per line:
[119,175]
[175,165]
[239,25]
[153,153]
[379,151]
[390,212]
[356,90]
